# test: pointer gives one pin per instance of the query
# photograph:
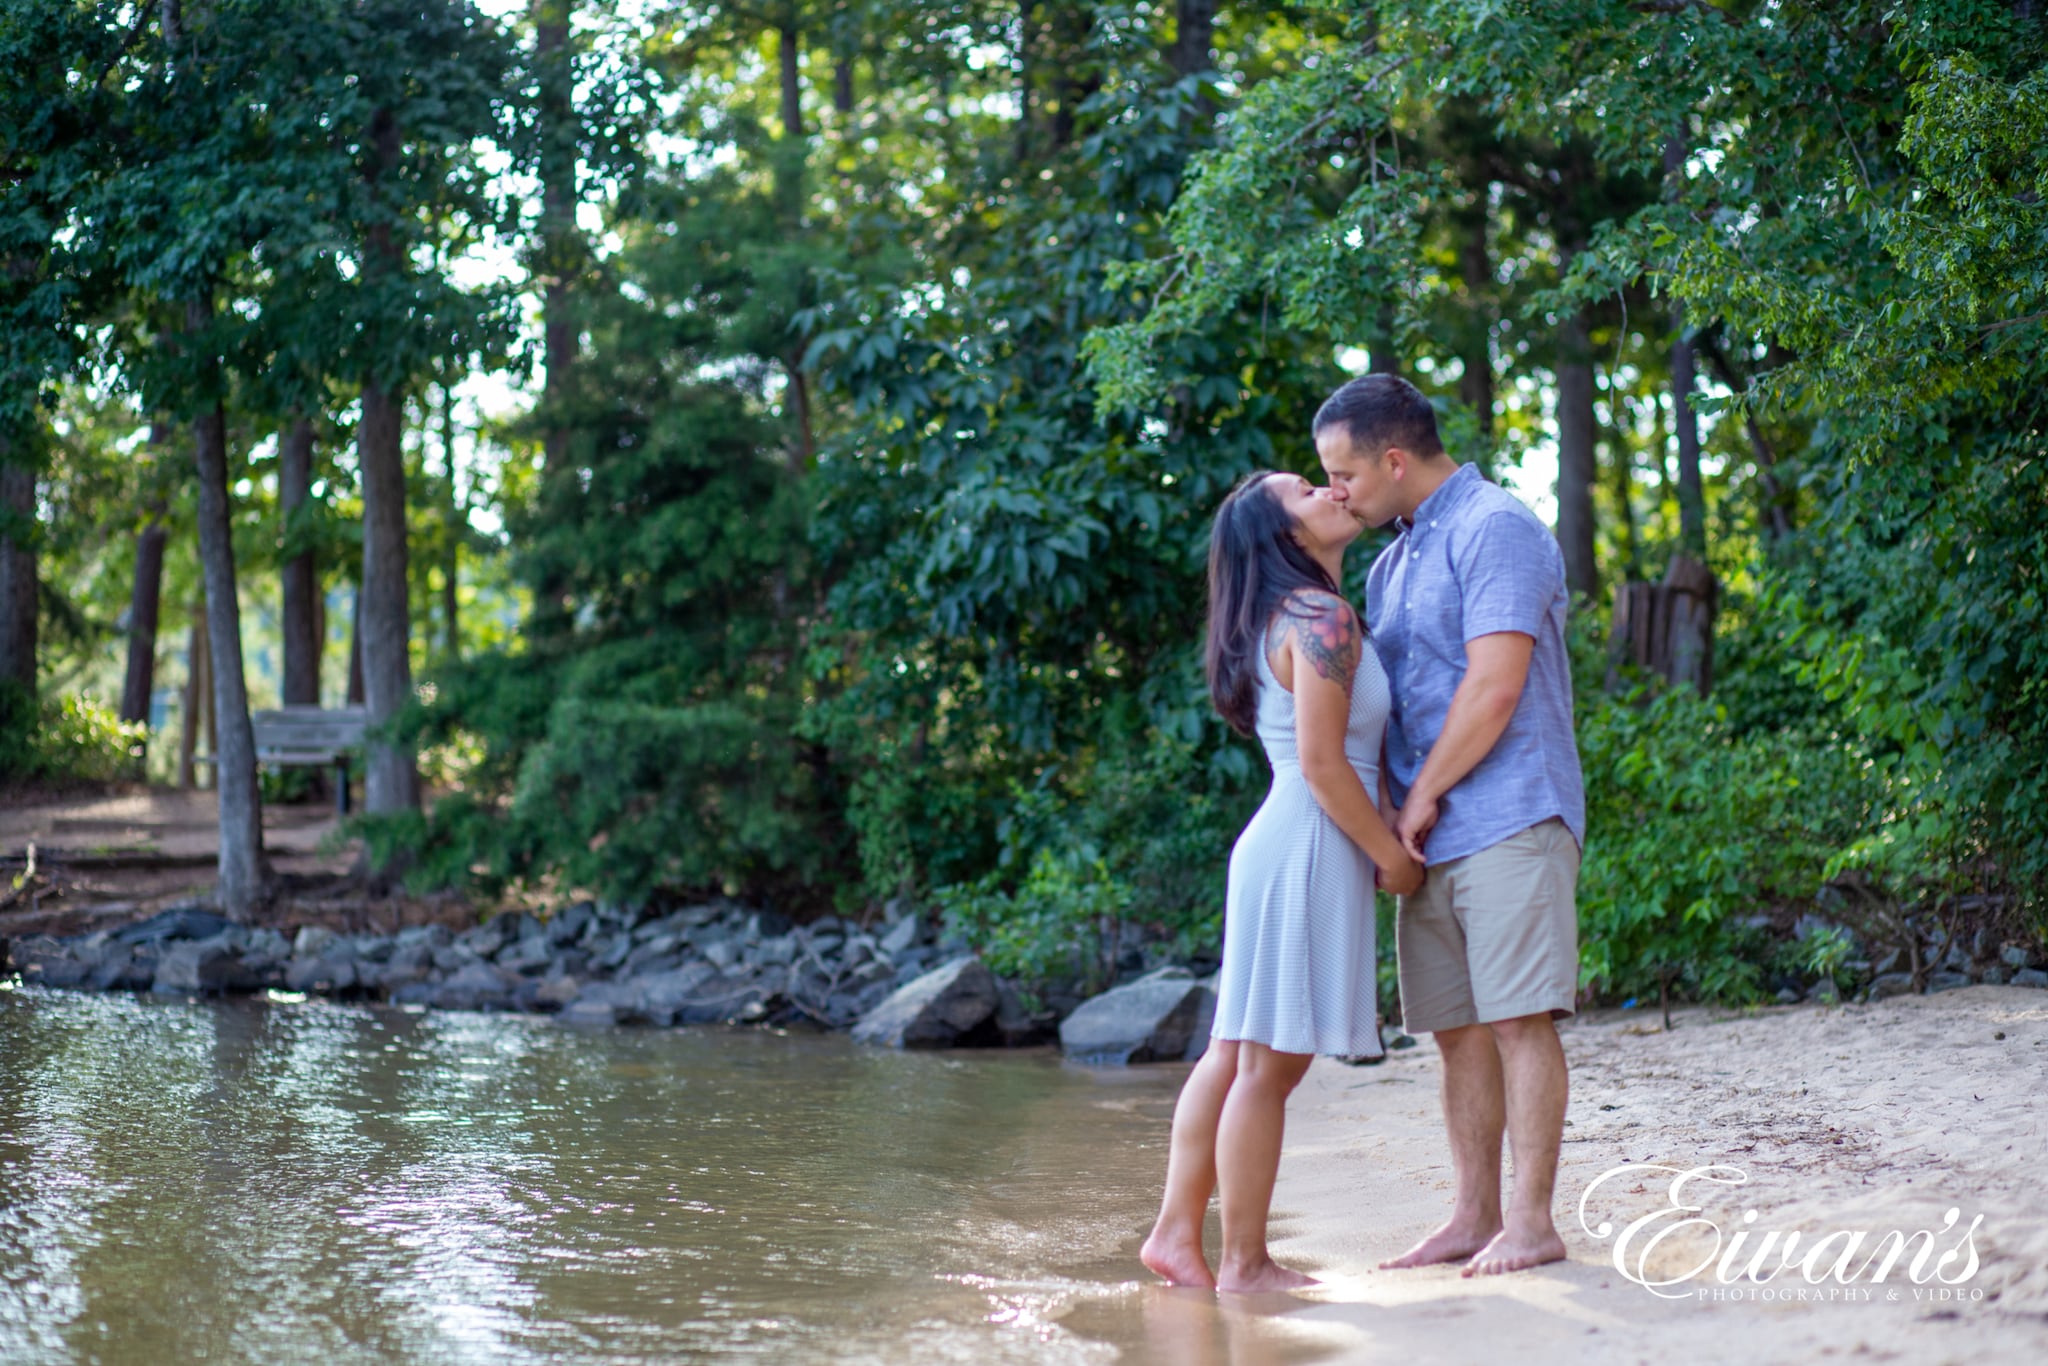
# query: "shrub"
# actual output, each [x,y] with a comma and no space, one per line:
[1696,830]
[72,737]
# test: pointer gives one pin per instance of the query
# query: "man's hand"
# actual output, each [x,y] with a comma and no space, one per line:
[1417,819]
[1404,880]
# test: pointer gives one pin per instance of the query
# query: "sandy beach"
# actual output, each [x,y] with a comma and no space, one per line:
[1858,1117]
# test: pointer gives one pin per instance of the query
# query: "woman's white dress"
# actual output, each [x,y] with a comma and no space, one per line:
[1299,973]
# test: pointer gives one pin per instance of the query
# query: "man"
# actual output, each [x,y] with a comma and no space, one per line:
[1467,610]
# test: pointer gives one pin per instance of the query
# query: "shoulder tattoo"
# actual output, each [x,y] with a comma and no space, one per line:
[1328,635]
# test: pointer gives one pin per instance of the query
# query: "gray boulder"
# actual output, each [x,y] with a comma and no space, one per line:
[126,968]
[530,954]
[1154,1019]
[554,993]
[413,993]
[2030,977]
[206,965]
[179,922]
[951,1006]
[604,1003]
[568,925]
[314,941]
[1892,984]
[432,936]
[901,937]
[667,995]
[477,986]
[324,975]
[1948,981]
[486,939]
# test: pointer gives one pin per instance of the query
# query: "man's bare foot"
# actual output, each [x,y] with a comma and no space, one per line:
[1176,1262]
[1517,1249]
[1264,1278]
[1454,1242]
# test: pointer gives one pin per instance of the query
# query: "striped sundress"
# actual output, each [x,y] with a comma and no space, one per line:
[1299,973]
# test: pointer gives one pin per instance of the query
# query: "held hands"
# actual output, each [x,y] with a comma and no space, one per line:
[1413,824]
[1404,879]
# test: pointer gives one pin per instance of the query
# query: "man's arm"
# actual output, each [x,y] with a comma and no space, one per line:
[1496,668]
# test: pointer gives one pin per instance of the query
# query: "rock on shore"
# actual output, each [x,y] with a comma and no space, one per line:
[594,963]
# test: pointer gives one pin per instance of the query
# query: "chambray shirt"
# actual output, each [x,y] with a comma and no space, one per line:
[1474,561]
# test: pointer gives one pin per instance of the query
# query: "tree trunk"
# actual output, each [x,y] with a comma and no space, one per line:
[842,86]
[18,590]
[391,780]
[1070,28]
[192,707]
[301,573]
[144,605]
[355,646]
[561,254]
[1622,467]
[453,526]
[1576,469]
[1194,30]
[789,52]
[1475,263]
[1692,501]
[1667,628]
[1024,45]
[243,877]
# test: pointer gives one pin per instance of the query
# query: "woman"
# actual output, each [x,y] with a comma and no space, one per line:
[1287,662]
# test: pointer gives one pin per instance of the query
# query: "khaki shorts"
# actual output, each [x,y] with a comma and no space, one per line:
[1494,935]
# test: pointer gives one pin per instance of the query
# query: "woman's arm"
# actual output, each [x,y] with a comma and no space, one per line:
[1324,645]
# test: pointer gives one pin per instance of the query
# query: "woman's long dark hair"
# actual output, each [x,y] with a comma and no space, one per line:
[1255,563]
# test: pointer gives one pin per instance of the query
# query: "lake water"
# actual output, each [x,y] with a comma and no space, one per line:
[275,1182]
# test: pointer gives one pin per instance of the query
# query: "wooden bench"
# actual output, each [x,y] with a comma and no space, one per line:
[309,735]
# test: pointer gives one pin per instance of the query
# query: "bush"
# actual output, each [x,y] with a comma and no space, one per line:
[70,738]
[1112,851]
[1697,833]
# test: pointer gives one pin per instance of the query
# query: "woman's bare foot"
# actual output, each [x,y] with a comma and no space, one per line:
[1517,1249]
[1176,1261]
[1263,1278]
[1454,1242]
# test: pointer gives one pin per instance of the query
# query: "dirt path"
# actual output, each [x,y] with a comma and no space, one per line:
[108,856]
[1870,1118]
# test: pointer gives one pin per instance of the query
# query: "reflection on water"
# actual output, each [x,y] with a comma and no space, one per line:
[240,1182]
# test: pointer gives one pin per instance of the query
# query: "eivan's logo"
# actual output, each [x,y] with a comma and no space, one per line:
[1755,1256]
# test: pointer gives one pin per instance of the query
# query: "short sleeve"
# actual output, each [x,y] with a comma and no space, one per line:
[1510,575]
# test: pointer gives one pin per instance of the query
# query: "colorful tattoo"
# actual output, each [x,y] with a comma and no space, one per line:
[1328,634]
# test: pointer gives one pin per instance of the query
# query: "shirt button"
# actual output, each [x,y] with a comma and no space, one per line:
[1414,554]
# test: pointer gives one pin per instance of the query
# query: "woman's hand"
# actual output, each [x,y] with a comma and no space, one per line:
[1403,879]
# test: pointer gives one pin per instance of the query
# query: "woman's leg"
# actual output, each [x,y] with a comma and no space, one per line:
[1174,1249]
[1248,1161]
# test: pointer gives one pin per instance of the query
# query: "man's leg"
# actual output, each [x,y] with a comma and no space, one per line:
[1533,1066]
[1247,1163]
[1473,1113]
[1174,1248]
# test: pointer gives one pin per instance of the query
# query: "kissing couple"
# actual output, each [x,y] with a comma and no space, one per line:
[1428,751]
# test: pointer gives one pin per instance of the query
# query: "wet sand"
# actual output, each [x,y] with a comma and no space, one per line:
[1857,1117]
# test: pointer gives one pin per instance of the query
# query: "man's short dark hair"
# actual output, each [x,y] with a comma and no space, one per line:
[1380,411]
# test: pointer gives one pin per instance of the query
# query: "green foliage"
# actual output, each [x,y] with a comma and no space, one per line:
[1692,829]
[71,738]
[1138,841]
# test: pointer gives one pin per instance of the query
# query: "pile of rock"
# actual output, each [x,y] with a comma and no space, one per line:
[592,963]
[1949,966]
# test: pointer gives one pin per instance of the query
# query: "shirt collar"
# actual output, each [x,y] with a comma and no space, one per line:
[1447,495]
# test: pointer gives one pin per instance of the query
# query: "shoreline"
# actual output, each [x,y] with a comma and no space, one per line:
[1870,1117]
